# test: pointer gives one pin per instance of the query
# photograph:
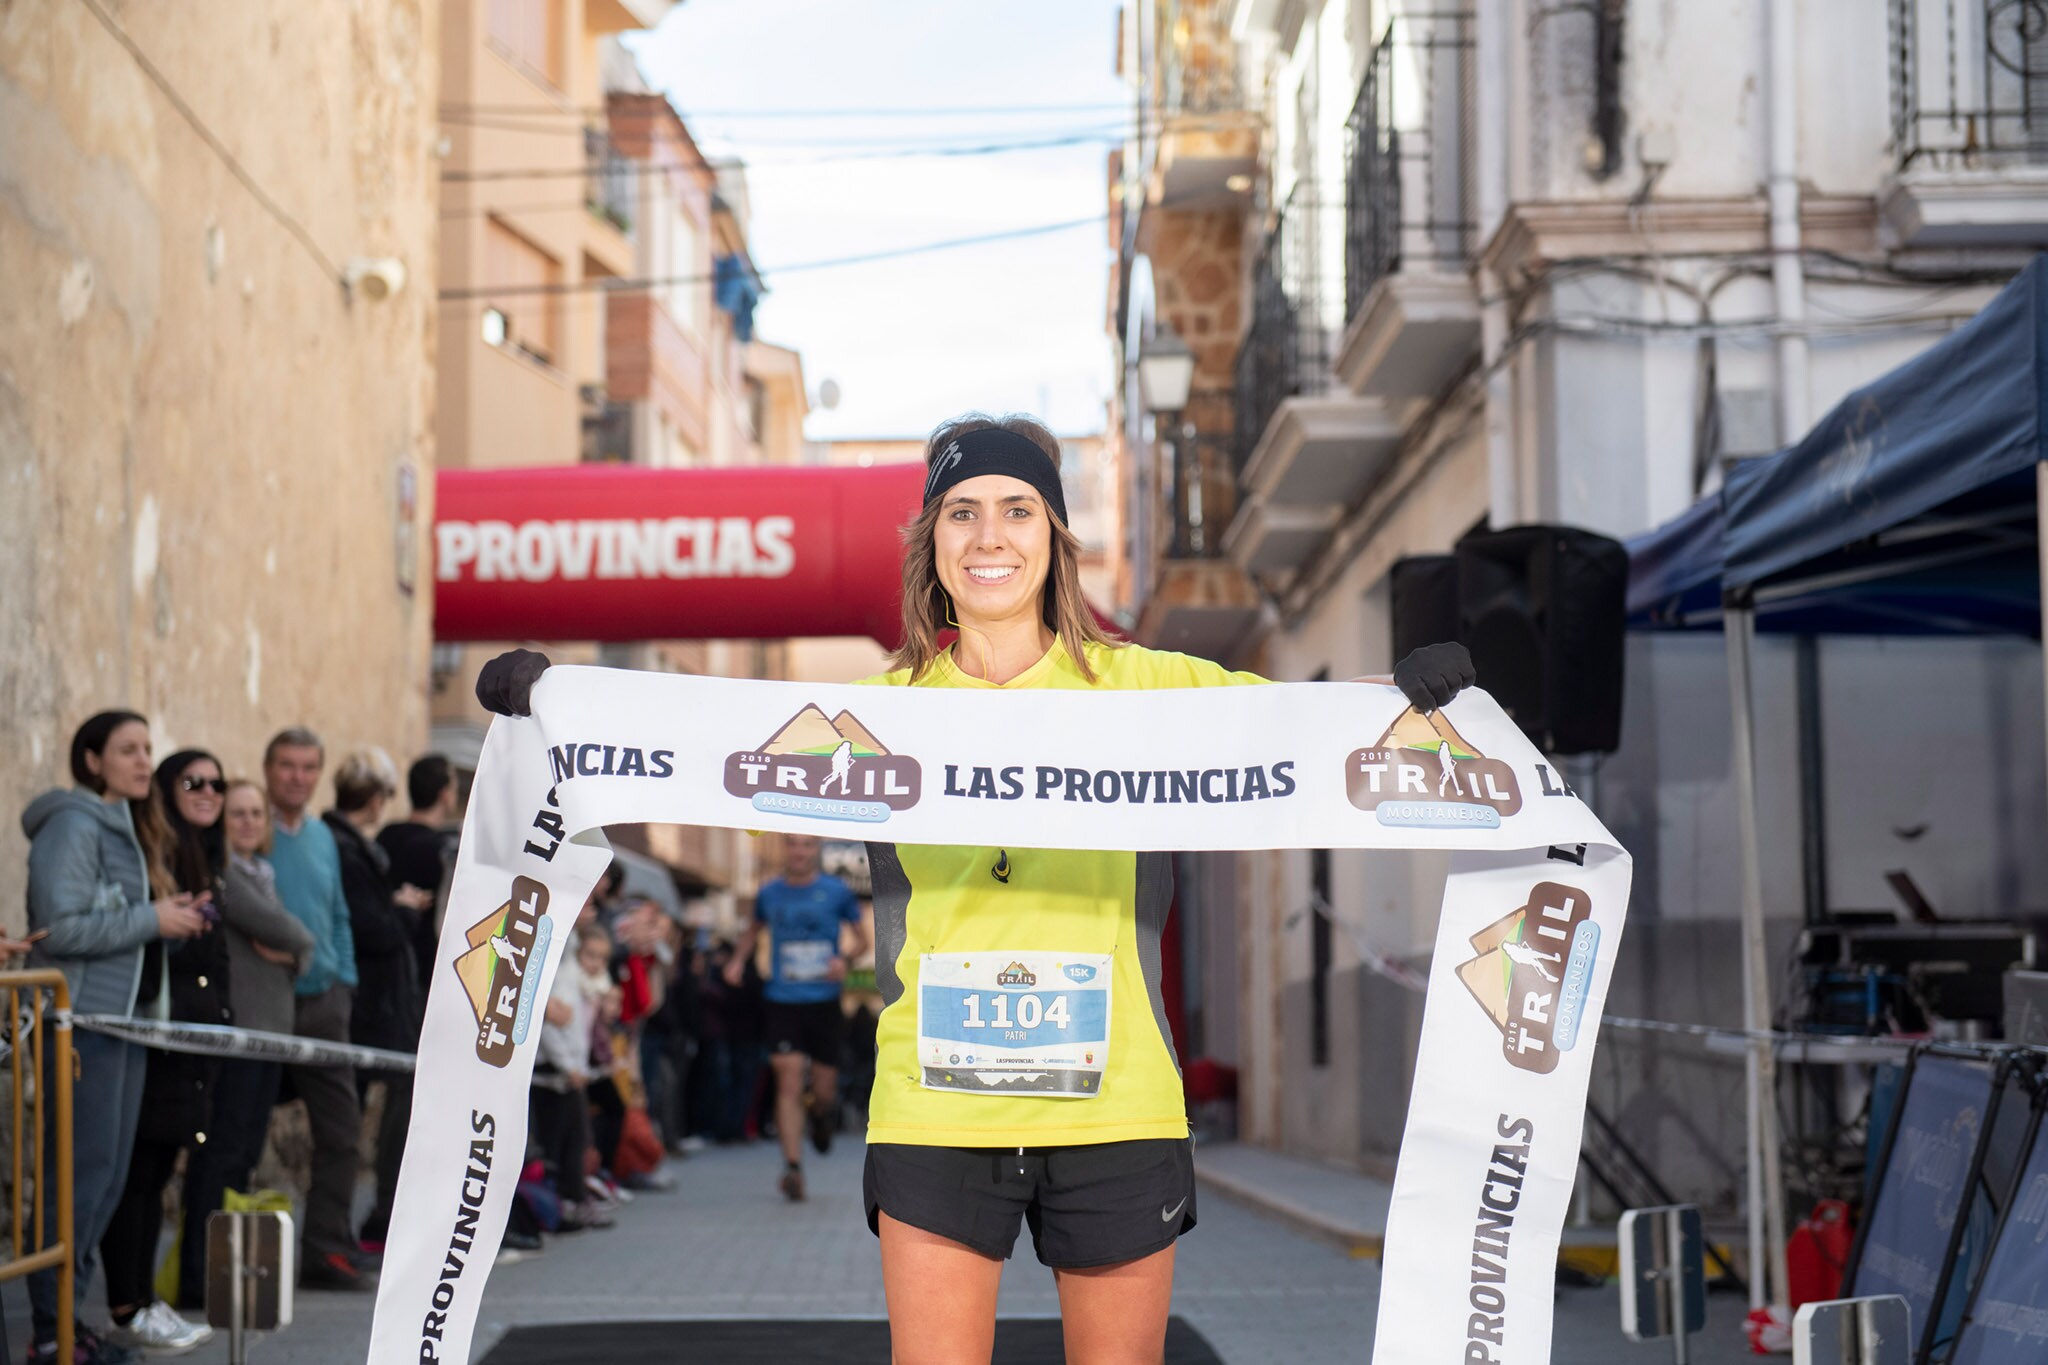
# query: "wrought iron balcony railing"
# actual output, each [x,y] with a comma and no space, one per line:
[607,428]
[1408,173]
[1202,475]
[1969,82]
[1198,71]
[1286,350]
[609,181]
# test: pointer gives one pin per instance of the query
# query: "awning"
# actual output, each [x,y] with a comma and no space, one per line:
[1961,417]
[1908,510]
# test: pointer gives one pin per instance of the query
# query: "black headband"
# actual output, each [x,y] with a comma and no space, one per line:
[993,450]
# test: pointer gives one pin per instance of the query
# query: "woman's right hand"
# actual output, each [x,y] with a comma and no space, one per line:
[504,686]
[180,916]
[276,957]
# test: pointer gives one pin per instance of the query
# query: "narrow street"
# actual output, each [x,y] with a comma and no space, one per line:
[723,1244]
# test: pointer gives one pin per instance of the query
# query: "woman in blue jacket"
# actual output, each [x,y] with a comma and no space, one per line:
[100,884]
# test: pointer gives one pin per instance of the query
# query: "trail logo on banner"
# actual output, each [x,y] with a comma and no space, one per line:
[1534,968]
[502,945]
[832,769]
[1423,774]
[1017,976]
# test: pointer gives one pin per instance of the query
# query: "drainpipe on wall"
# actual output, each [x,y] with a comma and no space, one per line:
[1495,35]
[1766,1187]
[1788,273]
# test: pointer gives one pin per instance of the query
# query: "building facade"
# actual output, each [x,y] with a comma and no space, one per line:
[599,301]
[1504,263]
[216,401]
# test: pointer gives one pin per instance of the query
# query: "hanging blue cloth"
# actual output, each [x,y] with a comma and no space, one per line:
[737,290]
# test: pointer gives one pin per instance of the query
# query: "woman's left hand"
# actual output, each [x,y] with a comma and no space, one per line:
[1430,676]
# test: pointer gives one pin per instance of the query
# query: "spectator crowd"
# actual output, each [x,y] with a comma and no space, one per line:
[174,891]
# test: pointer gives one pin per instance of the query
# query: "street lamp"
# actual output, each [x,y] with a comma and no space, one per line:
[1166,371]
[1166,374]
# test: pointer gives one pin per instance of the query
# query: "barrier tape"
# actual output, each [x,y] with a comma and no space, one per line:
[1404,976]
[222,1040]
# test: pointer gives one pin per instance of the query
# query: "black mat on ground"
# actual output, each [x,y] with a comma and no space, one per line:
[1019,1341]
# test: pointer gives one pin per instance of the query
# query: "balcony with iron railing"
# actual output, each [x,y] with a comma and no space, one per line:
[1969,115]
[1197,601]
[1305,448]
[607,427]
[1411,311]
[1285,352]
[609,182]
[1199,472]
[1201,121]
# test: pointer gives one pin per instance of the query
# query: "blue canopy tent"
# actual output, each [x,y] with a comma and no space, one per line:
[1911,508]
[1915,507]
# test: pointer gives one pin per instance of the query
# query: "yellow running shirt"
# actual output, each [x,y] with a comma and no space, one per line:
[944,899]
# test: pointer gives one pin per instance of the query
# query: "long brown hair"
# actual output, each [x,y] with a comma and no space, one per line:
[152,830]
[926,608]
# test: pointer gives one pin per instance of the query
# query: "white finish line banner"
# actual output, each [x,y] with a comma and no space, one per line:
[1532,917]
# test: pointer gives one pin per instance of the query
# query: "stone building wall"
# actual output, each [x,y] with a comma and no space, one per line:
[215,466]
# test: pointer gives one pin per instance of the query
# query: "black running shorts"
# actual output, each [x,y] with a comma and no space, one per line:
[1098,1205]
[816,1030]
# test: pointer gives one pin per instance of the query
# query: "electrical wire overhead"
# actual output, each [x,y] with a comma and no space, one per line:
[621,284]
[598,110]
[623,165]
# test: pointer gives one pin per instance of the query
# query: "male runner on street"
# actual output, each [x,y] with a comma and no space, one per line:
[804,912]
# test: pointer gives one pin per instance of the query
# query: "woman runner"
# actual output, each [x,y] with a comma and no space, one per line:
[1100,1169]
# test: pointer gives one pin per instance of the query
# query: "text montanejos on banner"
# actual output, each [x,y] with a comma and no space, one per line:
[1532,917]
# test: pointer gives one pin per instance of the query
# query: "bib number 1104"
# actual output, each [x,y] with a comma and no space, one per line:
[1031,1011]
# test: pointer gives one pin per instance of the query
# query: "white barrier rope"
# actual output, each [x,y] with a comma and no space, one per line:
[1404,976]
[221,1040]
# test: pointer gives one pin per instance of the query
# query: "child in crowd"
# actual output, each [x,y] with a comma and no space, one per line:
[579,1008]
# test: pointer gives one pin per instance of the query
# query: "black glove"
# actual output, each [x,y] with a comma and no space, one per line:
[505,684]
[1429,677]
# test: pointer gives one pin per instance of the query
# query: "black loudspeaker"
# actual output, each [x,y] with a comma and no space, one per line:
[1423,593]
[1542,609]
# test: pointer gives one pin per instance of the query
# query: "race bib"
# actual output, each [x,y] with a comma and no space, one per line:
[807,959]
[1010,1023]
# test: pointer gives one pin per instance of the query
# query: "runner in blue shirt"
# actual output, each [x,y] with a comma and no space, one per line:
[814,928]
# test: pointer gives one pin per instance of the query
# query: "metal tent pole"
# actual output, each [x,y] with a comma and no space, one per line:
[1766,1189]
[2041,541]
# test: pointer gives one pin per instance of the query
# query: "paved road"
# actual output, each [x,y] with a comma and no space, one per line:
[724,1244]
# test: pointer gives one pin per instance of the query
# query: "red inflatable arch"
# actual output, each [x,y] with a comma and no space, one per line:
[618,553]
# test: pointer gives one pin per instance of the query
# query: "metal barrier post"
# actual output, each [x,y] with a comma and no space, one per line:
[49,1064]
[67,1268]
[1874,1330]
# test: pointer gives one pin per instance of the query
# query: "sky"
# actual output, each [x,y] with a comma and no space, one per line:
[1005,326]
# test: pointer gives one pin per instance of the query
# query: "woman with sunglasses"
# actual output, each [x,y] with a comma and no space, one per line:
[177,1087]
[1096,1158]
[268,946]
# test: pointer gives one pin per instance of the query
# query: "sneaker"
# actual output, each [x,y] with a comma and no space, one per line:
[792,1185]
[516,1240]
[689,1146]
[335,1271]
[822,1125]
[588,1214]
[646,1182]
[159,1330]
[608,1188]
[86,1349]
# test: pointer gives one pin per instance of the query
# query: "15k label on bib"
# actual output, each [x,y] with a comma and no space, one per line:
[1011,1023]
